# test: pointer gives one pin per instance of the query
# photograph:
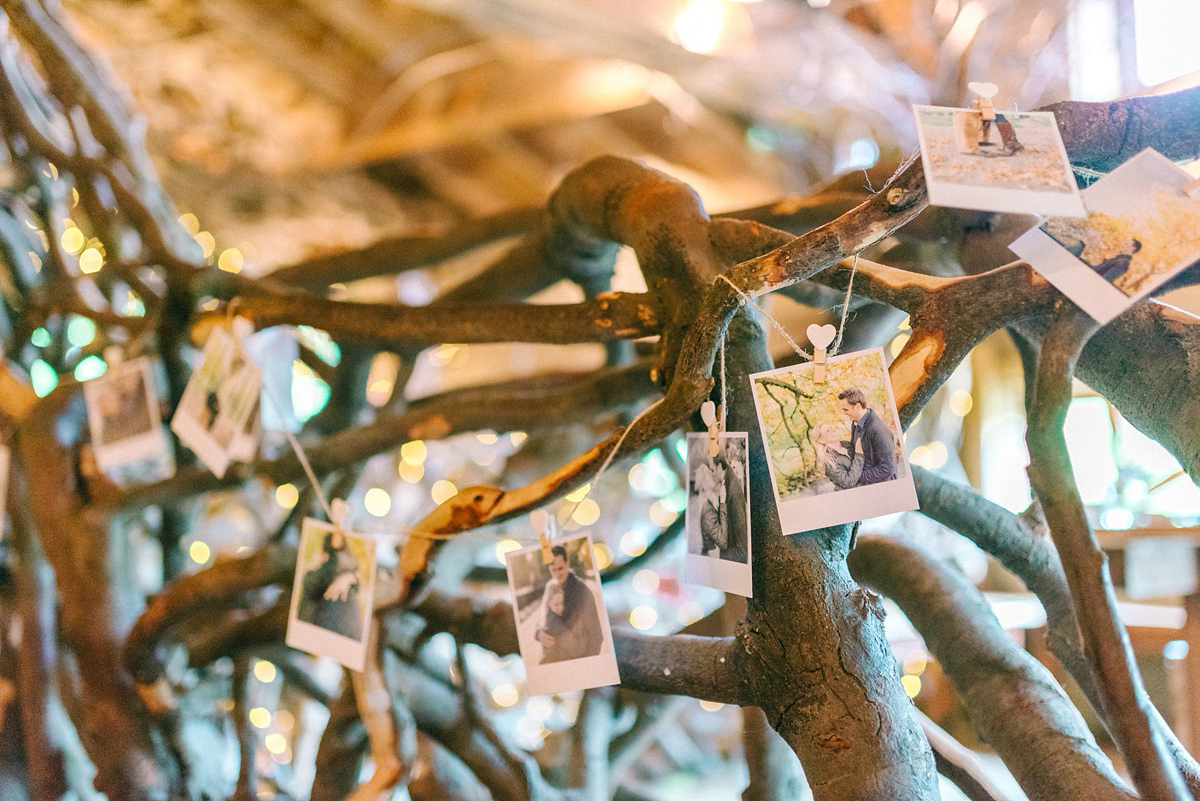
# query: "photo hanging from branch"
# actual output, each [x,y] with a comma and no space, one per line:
[222,394]
[1141,229]
[562,625]
[718,514]
[333,594]
[123,415]
[835,450]
[1015,163]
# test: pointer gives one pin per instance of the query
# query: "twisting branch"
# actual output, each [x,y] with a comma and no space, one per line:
[1029,553]
[1104,639]
[1014,702]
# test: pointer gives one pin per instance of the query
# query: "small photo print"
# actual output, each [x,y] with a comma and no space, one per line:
[718,513]
[1014,163]
[123,415]
[562,626]
[218,401]
[835,449]
[333,594]
[1141,230]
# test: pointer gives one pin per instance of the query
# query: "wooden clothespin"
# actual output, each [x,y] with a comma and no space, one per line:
[983,101]
[542,523]
[708,413]
[821,337]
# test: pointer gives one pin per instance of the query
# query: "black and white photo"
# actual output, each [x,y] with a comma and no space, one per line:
[562,626]
[123,415]
[217,403]
[718,514]
[834,448]
[1014,163]
[332,594]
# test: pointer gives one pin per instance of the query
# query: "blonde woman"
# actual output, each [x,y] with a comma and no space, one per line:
[841,467]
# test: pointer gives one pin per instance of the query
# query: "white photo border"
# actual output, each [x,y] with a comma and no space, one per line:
[799,515]
[583,673]
[315,639]
[1075,279]
[197,437]
[713,571]
[133,449]
[985,198]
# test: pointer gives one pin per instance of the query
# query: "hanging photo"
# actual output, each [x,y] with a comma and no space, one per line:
[244,447]
[1141,229]
[123,415]
[5,469]
[1014,163]
[562,626]
[333,594]
[717,516]
[834,448]
[218,401]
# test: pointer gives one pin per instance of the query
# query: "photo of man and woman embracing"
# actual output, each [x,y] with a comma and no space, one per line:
[834,448]
[718,512]
[562,627]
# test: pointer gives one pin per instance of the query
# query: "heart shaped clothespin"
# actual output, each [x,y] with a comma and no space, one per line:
[541,522]
[821,336]
[708,413]
[985,92]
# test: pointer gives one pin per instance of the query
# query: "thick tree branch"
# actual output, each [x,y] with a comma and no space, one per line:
[1014,702]
[1104,639]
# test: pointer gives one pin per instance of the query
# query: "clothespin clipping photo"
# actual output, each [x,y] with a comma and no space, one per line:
[821,337]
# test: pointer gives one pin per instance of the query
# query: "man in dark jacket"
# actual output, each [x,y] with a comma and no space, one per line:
[878,444]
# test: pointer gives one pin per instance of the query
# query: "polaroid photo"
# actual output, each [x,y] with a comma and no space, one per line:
[5,469]
[1141,230]
[562,625]
[244,447]
[835,449]
[123,415]
[333,594]
[718,513]
[1014,163]
[217,402]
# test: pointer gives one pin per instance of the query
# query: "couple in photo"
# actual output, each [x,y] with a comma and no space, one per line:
[869,457]
[570,626]
[720,486]
[329,593]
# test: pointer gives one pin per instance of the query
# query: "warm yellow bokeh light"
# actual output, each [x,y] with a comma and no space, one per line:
[710,706]
[414,452]
[231,260]
[505,547]
[633,543]
[603,555]
[579,494]
[275,742]
[190,223]
[377,501]
[264,671]
[912,685]
[587,512]
[915,662]
[90,261]
[207,243]
[645,582]
[443,491]
[643,617]
[412,473]
[286,495]
[260,718]
[487,437]
[961,403]
[505,695]
[937,454]
[199,552]
[73,240]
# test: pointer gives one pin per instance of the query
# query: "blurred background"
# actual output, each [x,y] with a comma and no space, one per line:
[288,129]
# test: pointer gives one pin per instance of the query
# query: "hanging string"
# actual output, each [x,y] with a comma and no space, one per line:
[724,405]
[749,302]
[612,453]
[837,342]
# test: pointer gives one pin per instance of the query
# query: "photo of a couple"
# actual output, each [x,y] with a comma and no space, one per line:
[834,448]
[332,594]
[123,415]
[561,624]
[717,515]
